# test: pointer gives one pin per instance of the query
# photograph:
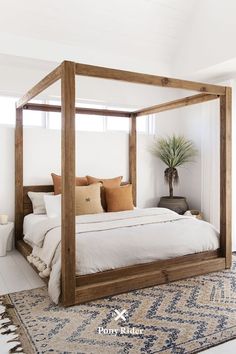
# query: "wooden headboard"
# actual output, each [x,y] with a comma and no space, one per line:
[27,205]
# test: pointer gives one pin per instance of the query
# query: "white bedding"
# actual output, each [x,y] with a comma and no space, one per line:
[111,240]
[29,222]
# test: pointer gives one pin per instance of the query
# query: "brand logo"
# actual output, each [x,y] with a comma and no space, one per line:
[120,315]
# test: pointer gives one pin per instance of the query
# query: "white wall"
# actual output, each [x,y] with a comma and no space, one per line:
[7,174]
[208,41]
[99,154]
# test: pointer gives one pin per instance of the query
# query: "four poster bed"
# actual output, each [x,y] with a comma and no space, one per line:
[76,288]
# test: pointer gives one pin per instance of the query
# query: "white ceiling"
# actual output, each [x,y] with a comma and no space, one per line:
[150,30]
[182,38]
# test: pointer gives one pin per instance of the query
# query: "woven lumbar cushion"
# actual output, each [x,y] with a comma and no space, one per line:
[119,198]
[88,199]
[107,183]
[79,181]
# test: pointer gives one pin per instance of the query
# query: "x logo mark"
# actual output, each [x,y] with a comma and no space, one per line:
[120,315]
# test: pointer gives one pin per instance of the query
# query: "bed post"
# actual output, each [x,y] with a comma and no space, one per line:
[132,156]
[68,184]
[225,176]
[19,175]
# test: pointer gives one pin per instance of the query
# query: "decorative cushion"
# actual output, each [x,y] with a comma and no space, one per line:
[53,205]
[119,198]
[107,183]
[88,199]
[37,200]
[79,181]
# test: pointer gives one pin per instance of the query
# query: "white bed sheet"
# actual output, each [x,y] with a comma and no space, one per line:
[99,250]
[161,234]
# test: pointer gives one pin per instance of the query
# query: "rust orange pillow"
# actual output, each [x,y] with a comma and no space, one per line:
[79,181]
[119,198]
[107,183]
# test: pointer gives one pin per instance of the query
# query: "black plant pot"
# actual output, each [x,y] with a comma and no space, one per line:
[177,204]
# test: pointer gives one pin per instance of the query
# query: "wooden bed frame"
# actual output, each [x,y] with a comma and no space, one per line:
[76,288]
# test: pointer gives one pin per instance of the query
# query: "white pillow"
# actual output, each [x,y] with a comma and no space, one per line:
[37,200]
[53,205]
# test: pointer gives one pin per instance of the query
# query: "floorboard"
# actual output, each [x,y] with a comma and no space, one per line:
[16,274]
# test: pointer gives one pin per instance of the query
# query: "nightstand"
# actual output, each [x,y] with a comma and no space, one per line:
[6,238]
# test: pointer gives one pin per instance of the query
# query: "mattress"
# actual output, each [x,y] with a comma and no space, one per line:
[113,240]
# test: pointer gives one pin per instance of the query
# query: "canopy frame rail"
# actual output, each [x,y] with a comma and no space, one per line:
[78,110]
[72,293]
[182,102]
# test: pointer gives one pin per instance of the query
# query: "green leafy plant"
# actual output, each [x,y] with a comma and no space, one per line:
[174,151]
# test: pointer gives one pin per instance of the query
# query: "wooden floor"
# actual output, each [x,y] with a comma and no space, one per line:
[16,275]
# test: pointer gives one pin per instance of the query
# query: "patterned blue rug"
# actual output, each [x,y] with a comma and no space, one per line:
[181,317]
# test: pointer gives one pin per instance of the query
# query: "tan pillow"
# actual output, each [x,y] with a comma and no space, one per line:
[79,181]
[88,199]
[106,182]
[120,198]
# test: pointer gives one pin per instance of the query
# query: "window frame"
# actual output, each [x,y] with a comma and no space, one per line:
[45,119]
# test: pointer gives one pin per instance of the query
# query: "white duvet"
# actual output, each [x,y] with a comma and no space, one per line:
[112,240]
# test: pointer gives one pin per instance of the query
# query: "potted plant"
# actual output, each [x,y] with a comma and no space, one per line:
[174,151]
